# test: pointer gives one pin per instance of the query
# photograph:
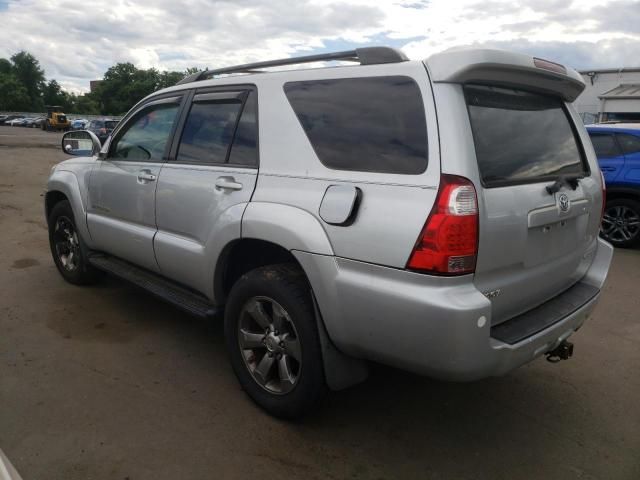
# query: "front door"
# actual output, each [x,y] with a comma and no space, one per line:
[121,209]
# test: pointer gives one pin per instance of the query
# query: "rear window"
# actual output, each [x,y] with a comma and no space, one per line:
[374,124]
[521,137]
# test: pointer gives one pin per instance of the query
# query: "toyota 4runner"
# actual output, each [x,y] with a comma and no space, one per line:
[439,216]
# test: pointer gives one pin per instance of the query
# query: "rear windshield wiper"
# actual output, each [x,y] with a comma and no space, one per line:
[568,180]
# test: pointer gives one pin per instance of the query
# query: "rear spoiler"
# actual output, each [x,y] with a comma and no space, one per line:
[499,67]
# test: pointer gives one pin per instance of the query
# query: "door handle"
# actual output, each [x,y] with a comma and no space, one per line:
[146,176]
[228,183]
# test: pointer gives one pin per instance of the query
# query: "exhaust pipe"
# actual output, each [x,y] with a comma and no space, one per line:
[564,351]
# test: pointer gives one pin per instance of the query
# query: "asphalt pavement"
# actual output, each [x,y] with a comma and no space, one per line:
[106,382]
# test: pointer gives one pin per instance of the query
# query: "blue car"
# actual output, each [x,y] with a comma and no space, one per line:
[618,149]
[79,124]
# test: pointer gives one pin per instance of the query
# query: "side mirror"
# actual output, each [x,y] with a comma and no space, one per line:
[80,143]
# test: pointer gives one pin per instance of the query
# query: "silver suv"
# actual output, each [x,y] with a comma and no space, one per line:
[439,216]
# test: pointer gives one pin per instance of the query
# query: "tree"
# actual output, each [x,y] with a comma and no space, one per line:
[5,66]
[124,85]
[13,96]
[28,72]
[24,87]
[54,95]
[169,79]
[114,92]
[85,104]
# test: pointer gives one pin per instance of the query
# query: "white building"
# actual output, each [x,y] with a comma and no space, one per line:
[610,95]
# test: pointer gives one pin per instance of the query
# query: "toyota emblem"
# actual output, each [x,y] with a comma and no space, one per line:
[564,202]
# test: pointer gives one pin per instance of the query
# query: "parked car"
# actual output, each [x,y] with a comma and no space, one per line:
[29,122]
[8,118]
[39,121]
[79,124]
[102,128]
[438,216]
[16,122]
[617,147]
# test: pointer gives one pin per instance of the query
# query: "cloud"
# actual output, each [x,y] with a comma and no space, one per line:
[77,41]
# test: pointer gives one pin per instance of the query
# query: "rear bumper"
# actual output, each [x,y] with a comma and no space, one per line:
[440,327]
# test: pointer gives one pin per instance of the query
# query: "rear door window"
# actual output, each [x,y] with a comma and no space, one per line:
[521,137]
[221,128]
[374,124]
[605,145]
[208,131]
[244,150]
[630,143]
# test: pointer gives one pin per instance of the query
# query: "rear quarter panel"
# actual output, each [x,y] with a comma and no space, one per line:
[393,208]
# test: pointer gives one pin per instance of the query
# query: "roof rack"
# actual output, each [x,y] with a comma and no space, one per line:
[365,55]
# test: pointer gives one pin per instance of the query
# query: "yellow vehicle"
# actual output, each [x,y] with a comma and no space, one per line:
[56,119]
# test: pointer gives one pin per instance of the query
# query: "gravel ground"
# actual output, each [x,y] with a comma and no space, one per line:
[105,382]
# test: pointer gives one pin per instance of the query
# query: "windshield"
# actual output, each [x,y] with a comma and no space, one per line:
[521,137]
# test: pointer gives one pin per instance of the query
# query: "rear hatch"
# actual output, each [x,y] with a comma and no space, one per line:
[506,123]
[539,200]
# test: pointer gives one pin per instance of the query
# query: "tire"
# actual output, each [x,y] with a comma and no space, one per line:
[621,222]
[67,247]
[291,386]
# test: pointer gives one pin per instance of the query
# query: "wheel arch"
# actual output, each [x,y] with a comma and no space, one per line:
[616,192]
[64,185]
[243,255]
[51,198]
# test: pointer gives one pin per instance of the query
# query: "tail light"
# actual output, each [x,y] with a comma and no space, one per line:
[448,243]
[604,195]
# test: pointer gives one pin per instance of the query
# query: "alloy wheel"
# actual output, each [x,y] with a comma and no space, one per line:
[620,224]
[65,240]
[269,345]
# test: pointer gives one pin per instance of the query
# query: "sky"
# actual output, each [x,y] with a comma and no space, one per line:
[76,41]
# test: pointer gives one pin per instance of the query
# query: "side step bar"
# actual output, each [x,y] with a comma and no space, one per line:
[171,292]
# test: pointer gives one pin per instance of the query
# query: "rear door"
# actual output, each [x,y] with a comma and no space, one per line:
[610,156]
[206,183]
[536,233]
[630,145]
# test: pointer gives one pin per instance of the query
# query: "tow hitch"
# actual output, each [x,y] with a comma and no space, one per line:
[564,351]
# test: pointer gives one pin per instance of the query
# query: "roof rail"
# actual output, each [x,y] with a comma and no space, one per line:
[365,55]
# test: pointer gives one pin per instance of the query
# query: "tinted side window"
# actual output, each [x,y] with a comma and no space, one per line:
[605,145]
[208,131]
[629,143]
[244,150]
[374,124]
[145,136]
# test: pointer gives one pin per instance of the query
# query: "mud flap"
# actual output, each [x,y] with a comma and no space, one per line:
[341,371]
